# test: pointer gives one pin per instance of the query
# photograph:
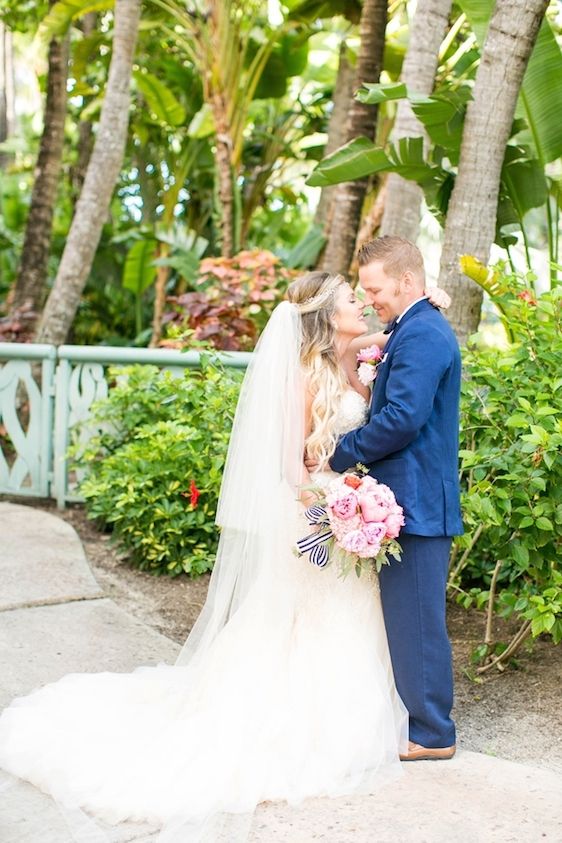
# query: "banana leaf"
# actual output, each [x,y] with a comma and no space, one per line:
[160,99]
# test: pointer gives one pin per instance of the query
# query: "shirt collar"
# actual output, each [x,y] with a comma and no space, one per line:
[421,298]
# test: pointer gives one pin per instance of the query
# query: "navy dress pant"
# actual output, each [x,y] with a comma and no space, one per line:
[413,600]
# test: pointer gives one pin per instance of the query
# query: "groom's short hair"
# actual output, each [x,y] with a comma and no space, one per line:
[396,253]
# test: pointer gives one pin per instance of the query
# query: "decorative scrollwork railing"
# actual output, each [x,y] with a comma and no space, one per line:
[45,391]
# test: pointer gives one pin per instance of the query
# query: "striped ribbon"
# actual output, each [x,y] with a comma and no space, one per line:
[315,543]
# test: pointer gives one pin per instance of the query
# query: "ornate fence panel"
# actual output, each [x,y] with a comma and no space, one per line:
[45,391]
[26,418]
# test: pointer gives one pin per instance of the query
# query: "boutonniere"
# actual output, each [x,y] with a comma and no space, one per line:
[368,359]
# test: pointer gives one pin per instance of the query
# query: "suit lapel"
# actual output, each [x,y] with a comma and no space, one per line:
[384,367]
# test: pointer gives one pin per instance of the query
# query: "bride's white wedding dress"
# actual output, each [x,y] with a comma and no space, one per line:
[294,698]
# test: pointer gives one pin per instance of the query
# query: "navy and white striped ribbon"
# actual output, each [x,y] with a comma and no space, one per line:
[315,543]
[316,514]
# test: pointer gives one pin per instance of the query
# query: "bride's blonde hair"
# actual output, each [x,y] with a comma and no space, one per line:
[315,296]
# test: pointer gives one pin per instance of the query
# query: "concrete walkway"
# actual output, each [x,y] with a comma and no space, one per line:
[54,619]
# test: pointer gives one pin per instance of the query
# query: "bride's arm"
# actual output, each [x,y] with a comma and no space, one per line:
[435,295]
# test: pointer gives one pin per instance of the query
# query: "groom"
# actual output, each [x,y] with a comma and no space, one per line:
[410,442]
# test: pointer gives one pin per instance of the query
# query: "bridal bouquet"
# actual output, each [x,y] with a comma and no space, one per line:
[357,523]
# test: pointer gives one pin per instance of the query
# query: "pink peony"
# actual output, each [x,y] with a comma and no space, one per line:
[354,542]
[372,509]
[374,533]
[393,524]
[343,506]
[368,483]
[371,354]
[385,496]
[342,526]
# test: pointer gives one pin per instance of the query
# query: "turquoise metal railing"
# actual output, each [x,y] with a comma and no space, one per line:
[45,391]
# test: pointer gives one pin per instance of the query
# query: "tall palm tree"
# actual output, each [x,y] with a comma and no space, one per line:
[362,120]
[337,131]
[403,197]
[30,283]
[101,175]
[471,216]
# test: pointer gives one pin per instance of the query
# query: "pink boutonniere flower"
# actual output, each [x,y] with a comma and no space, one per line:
[368,359]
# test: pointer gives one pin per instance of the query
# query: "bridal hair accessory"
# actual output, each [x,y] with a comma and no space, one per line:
[324,296]
[357,521]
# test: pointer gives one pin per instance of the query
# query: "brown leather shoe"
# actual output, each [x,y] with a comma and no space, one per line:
[416,752]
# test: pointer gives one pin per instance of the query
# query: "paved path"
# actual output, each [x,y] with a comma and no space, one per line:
[54,619]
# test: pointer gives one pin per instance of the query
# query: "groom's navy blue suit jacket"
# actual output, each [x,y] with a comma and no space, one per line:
[410,441]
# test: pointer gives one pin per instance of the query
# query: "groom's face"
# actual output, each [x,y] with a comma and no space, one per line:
[382,292]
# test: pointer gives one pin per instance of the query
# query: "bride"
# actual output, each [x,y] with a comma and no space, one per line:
[284,688]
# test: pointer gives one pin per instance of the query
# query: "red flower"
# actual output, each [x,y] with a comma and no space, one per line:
[353,481]
[194,494]
[526,295]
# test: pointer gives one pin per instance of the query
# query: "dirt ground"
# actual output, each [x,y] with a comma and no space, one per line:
[515,715]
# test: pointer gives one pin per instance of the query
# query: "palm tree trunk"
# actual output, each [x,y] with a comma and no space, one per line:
[162,275]
[103,169]
[85,132]
[471,217]
[31,278]
[337,132]
[4,72]
[225,176]
[403,197]
[7,89]
[349,196]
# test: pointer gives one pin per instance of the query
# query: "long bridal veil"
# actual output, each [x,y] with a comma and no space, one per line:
[258,498]
[155,740]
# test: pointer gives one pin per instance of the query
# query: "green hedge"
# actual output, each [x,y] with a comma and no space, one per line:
[160,438]
[511,437]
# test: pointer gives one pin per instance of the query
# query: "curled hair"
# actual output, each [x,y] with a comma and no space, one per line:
[314,294]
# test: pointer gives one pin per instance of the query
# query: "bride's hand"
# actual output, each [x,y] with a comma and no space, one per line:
[311,465]
[438,297]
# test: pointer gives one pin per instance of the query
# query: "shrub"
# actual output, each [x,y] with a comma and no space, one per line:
[232,300]
[153,471]
[511,471]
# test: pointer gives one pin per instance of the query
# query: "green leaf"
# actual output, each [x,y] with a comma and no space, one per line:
[374,93]
[520,553]
[524,180]
[541,94]
[160,99]
[478,13]
[306,251]
[61,15]
[544,523]
[203,123]
[186,264]
[355,160]
[139,271]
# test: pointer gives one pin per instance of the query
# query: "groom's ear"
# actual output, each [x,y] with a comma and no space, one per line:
[410,281]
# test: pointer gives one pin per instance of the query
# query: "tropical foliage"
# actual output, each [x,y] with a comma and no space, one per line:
[229,303]
[511,460]
[526,182]
[154,469]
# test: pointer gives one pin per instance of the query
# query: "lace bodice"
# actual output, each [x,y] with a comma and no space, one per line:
[353,411]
